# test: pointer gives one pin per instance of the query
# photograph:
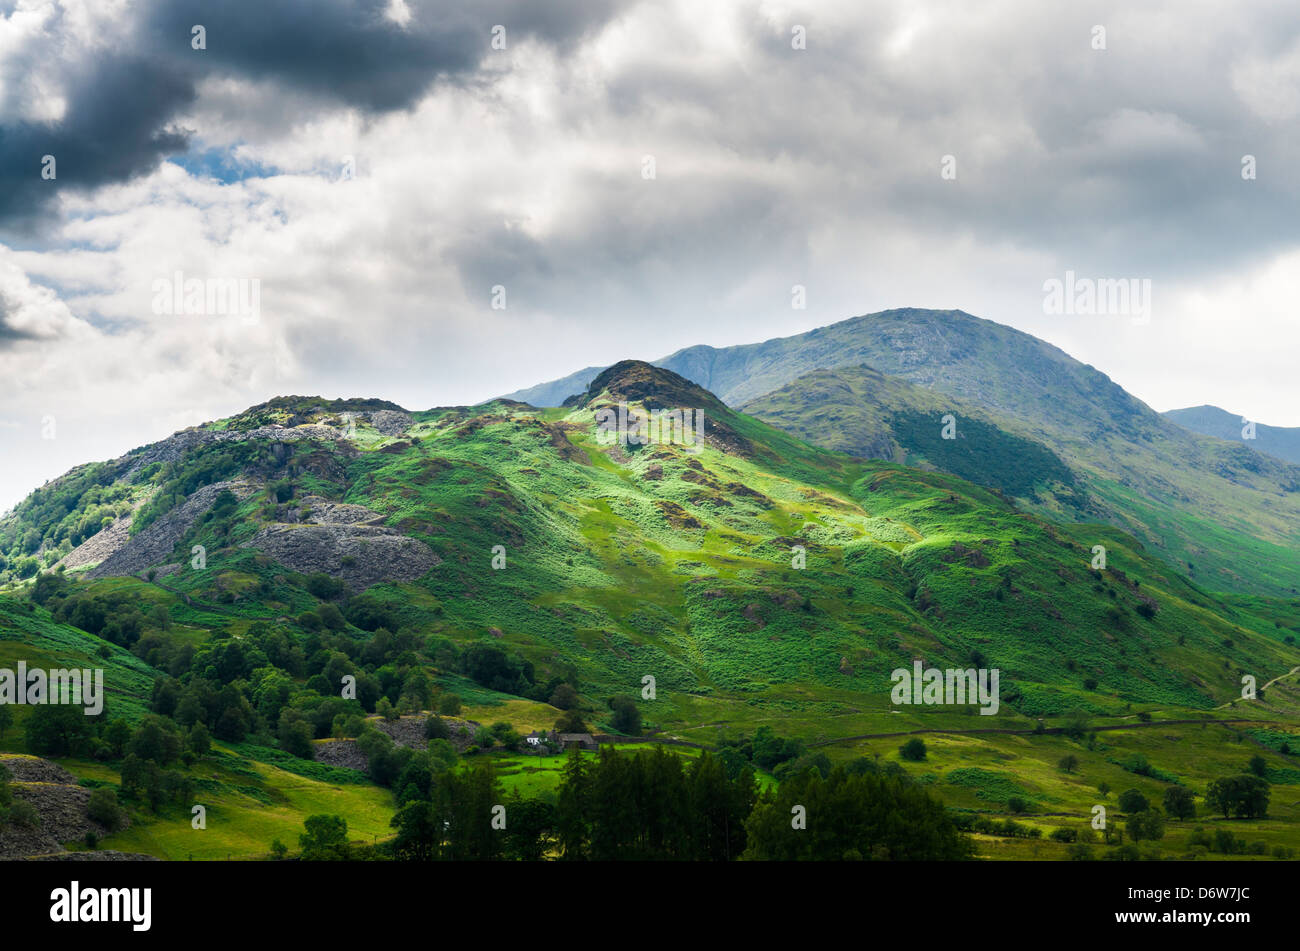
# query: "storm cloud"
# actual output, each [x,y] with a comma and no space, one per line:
[123,93]
[381,169]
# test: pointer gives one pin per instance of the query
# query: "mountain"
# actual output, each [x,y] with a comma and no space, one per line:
[864,413]
[1281,442]
[1228,516]
[557,391]
[623,558]
[517,566]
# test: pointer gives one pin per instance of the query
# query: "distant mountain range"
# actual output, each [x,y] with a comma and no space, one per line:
[1226,514]
[1279,441]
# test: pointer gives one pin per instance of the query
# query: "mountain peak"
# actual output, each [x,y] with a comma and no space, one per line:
[636,381]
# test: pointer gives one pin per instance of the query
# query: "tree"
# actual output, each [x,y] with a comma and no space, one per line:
[449,705]
[156,739]
[326,839]
[528,828]
[463,807]
[1180,803]
[1258,765]
[57,729]
[103,808]
[1131,801]
[564,697]
[419,833]
[1245,796]
[505,734]
[866,816]
[1068,763]
[1148,824]
[435,728]
[331,617]
[117,735]
[570,722]
[913,749]
[295,733]
[627,718]
[200,741]
[573,811]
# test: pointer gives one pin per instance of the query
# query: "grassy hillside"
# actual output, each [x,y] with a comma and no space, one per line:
[762,582]
[1180,479]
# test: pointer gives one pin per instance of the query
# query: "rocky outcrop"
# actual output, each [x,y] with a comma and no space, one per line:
[99,546]
[362,555]
[156,542]
[342,753]
[176,445]
[61,804]
[390,423]
[321,511]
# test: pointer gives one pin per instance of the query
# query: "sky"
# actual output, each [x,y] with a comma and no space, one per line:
[437,202]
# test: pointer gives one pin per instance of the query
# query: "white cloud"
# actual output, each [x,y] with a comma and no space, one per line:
[775,167]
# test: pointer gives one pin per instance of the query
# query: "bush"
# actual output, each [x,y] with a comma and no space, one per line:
[506,735]
[564,697]
[627,718]
[23,813]
[913,750]
[103,808]
[295,734]
[1180,803]
[1148,825]
[1131,801]
[1225,842]
[323,586]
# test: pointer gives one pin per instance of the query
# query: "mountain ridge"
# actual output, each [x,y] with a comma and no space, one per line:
[1281,442]
[1210,507]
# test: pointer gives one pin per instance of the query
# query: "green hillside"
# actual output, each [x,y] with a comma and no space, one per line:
[486,560]
[1219,510]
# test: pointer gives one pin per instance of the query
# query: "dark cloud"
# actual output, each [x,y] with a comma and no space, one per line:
[10,334]
[119,122]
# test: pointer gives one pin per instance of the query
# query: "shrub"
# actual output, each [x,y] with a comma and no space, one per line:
[23,813]
[103,808]
[913,750]
[1132,801]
